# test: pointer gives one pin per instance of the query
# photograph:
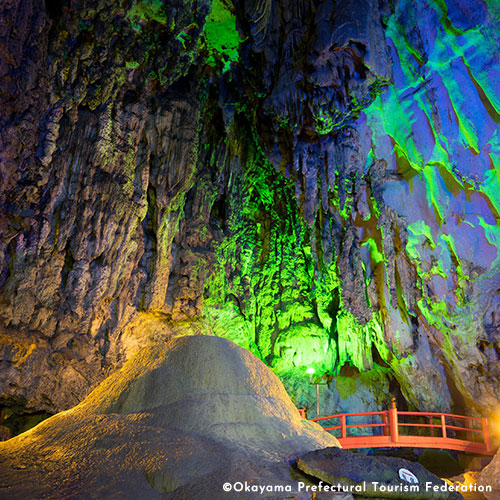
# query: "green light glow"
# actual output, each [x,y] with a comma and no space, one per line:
[222,37]
[270,288]
[376,255]
[146,10]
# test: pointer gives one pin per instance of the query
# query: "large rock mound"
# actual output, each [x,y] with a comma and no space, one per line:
[212,386]
[490,476]
[196,411]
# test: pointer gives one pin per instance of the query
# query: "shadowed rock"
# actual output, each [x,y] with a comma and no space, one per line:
[373,476]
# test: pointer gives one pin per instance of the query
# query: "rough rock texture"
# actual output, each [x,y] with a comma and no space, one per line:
[90,221]
[490,476]
[377,476]
[324,193]
[170,421]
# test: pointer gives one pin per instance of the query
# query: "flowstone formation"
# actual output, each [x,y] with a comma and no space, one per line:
[178,421]
[490,476]
[316,180]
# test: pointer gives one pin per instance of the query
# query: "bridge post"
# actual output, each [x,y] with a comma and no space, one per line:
[317,400]
[385,422]
[393,421]
[469,425]
[343,428]
[486,434]
[443,425]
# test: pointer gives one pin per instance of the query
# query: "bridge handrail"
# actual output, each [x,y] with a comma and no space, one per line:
[435,414]
[455,427]
[381,424]
[391,437]
[316,419]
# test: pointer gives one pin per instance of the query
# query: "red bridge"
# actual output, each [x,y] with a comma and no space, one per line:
[399,429]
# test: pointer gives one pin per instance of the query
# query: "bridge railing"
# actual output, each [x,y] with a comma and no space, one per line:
[440,430]
[344,426]
[474,428]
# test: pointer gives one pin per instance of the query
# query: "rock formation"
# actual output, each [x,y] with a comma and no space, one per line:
[490,476]
[179,419]
[376,477]
[316,180]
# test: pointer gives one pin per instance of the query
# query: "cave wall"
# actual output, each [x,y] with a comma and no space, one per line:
[98,157]
[316,180]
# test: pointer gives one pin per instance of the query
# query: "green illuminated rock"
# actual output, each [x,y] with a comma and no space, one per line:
[319,185]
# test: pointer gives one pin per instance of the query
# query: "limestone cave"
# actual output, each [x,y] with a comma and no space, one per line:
[216,213]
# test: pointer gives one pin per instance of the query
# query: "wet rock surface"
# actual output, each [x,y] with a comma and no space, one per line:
[93,218]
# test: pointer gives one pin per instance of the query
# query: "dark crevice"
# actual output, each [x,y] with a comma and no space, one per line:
[16,418]
[10,252]
[54,8]
[218,212]
[69,263]
[377,359]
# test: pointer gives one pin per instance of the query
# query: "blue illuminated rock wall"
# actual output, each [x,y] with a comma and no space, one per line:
[321,186]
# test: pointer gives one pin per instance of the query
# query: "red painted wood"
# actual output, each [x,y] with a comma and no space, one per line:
[343,430]
[365,425]
[317,419]
[486,434]
[443,426]
[434,414]
[393,426]
[392,437]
